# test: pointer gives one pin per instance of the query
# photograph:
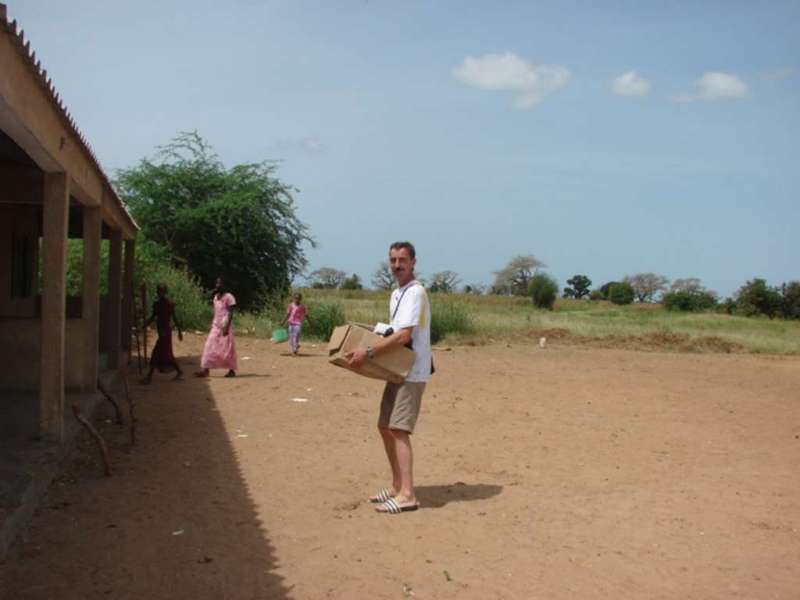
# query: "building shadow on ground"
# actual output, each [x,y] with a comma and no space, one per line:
[437,496]
[176,519]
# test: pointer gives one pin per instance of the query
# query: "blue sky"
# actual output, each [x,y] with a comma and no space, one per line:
[606,138]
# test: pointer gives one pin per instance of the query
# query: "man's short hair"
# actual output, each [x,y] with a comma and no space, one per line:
[407,245]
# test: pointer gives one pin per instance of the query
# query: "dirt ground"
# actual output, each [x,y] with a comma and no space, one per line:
[562,472]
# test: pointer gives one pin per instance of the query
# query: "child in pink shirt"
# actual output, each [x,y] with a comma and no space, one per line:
[295,315]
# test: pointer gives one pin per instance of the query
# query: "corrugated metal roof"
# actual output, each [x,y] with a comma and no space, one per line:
[29,56]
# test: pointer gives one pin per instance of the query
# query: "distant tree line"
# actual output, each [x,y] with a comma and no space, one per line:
[523,276]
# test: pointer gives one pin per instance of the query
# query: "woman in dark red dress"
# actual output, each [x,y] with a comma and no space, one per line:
[164,315]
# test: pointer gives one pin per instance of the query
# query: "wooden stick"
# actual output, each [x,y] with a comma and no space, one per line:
[144,319]
[108,397]
[97,438]
[131,408]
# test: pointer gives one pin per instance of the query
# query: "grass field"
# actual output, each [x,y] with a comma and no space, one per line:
[478,319]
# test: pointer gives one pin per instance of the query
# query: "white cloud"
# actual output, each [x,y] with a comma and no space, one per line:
[716,85]
[508,72]
[631,84]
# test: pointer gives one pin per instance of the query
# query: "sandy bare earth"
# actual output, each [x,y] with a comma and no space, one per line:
[562,472]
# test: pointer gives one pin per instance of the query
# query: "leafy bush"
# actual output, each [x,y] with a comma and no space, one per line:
[74,259]
[791,300]
[757,298]
[449,316]
[352,283]
[604,290]
[543,290]
[152,267]
[323,317]
[191,300]
[693,301]
[727,306]
[621,293]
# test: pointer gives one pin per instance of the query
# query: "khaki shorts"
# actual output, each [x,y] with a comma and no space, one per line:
[400,405]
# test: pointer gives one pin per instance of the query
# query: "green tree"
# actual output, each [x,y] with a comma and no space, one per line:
[477,289]
[327,278]
[352,283]
[543,290]
[444,281]
[621,293]
[516,275]
[728,306]
[603,291]
[239,222]
[579,287]
[791,300]
[689,295]
[756,298]
[687,300]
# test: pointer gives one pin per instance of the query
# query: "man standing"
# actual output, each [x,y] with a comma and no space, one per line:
[410,318]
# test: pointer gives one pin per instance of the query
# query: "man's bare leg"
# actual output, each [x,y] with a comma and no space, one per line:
[389,446]
[404,458]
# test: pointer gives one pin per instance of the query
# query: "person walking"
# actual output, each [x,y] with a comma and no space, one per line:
[410,320]
[295,315]
[164,315]
[220,349]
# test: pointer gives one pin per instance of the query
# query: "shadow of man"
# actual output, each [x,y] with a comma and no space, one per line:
[437,496]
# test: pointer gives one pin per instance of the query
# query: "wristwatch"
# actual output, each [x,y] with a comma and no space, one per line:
[370,352]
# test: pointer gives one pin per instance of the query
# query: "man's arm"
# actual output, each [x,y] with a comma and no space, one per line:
[400,337]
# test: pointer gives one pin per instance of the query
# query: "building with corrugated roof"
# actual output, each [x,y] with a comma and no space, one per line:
[52,189]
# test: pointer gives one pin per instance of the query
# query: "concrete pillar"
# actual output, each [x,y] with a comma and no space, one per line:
[128,296]
[55,218]
[90,301]
[114,297]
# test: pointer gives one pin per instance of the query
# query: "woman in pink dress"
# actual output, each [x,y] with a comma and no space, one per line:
[220,349]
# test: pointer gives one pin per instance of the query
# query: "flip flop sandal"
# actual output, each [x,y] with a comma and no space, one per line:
[393,508]
[381,496]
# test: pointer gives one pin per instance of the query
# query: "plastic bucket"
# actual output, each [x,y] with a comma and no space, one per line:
[279,335]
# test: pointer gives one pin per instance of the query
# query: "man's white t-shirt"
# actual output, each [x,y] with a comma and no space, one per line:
[414,310]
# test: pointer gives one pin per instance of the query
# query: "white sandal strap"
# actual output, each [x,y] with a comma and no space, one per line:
[391,506]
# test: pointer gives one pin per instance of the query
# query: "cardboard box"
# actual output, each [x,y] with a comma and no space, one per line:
[392,365]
